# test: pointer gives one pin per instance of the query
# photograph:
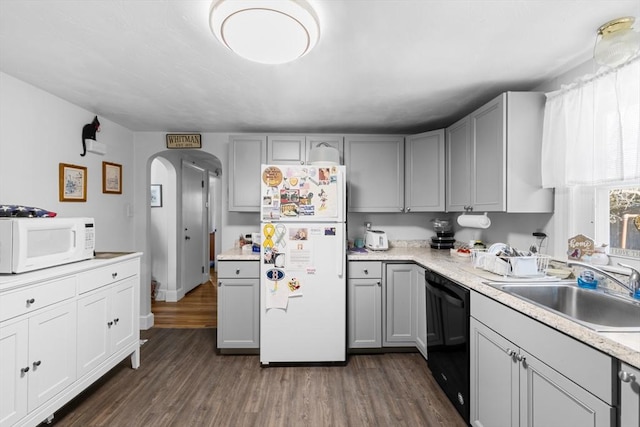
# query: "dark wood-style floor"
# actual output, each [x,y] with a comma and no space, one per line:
[183,381]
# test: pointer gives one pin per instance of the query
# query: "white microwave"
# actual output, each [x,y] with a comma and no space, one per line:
[32,243]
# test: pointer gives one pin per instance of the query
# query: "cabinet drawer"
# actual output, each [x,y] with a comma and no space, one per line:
[244,269]
[365,269]
[33,298]
[102,276]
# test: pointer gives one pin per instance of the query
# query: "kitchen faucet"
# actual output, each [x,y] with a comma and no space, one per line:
[634,278]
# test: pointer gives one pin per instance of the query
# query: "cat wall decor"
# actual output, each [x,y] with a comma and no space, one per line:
[89,132]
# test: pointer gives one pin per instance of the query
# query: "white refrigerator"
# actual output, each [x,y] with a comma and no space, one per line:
[303,264]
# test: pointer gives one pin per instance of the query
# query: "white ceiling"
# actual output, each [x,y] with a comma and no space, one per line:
[381,66]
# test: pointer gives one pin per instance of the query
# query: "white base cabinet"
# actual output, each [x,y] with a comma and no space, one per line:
[238,305]
[629,395]
[511,386]
[55,340]
[400,305]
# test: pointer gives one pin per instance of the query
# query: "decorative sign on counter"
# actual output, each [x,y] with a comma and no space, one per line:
[188,140]
[579,246]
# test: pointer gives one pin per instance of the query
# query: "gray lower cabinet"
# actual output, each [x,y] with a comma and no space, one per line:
[364,296]
[511,386]
[400,305]
[238,305]
[629,395]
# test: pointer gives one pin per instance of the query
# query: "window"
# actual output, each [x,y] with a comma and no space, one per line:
[618,219]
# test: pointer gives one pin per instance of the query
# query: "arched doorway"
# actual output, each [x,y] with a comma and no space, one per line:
[170,171]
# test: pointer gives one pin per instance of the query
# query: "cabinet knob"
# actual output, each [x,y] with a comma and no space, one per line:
[365,271]
[109,324]
[219,284]
[521,358]
[116,320]
[626,377]
[510,352]
[31,301]
[37,363]
[408,209]
[114,275]
[238,271]
[24,370]
[379,283]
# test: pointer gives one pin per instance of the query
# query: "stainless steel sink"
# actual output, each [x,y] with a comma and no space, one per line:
[591,308]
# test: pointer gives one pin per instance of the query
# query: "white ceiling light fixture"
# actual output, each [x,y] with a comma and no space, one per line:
[265,31]
[616,42]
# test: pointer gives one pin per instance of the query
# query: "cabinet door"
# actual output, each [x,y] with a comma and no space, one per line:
[125,328]
[286,150]
[335,141]
[421,327]
[494,378]
[400,305]
[238,313]
[94,344]
[246,154]
[629,395]
[458,182]
[375,173]
[365,311]
[489,146]
[425,177]
[548,398]
[52,353]
[14,371]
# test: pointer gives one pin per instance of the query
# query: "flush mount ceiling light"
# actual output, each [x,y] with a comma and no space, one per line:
[265,31]
[616,42]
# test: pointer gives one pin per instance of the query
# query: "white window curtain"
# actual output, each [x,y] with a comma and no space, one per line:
[591,131]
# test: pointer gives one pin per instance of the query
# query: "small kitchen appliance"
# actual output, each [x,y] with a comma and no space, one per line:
[34,243]
[376,240]
[444,236]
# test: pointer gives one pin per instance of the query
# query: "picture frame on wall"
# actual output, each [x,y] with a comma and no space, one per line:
[72,183]
[156,195]
[111,178]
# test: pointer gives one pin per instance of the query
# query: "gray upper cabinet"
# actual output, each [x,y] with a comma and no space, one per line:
[375,173]
[246,154]
[493,157]
[286,150]
[424,186]
[295,149]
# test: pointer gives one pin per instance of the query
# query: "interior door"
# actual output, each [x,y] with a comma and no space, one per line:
[193,226]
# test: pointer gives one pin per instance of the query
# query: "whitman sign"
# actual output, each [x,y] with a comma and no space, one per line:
[187,140]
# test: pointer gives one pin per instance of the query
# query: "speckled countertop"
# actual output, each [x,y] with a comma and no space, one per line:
[622,345]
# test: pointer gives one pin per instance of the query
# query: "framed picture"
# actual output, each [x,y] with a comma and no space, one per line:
[156,195]
[73,183]
[111,178]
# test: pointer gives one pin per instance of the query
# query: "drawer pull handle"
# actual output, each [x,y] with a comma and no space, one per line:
[31,301]
[24,370]
[114,275]
[37,363]
[626,377]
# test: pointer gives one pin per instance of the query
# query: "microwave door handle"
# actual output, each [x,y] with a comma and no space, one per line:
[75,238]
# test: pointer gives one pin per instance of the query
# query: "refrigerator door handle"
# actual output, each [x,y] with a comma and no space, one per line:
[343,257]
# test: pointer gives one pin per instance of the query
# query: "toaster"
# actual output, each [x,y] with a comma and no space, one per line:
[376,240]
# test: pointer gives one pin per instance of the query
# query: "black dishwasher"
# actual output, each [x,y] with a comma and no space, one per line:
[448,338]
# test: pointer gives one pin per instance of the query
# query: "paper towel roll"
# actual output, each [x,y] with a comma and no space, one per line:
[474,221]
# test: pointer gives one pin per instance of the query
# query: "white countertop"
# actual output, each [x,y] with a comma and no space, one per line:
[11,281]
[623,346]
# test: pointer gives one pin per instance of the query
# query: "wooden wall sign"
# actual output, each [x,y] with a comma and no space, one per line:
[184,140]
[579,246]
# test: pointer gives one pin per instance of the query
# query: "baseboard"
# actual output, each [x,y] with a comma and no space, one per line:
[146,322]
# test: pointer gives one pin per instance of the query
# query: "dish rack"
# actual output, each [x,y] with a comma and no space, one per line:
[515,266]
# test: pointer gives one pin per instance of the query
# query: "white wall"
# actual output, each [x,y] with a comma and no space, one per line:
[37,132]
